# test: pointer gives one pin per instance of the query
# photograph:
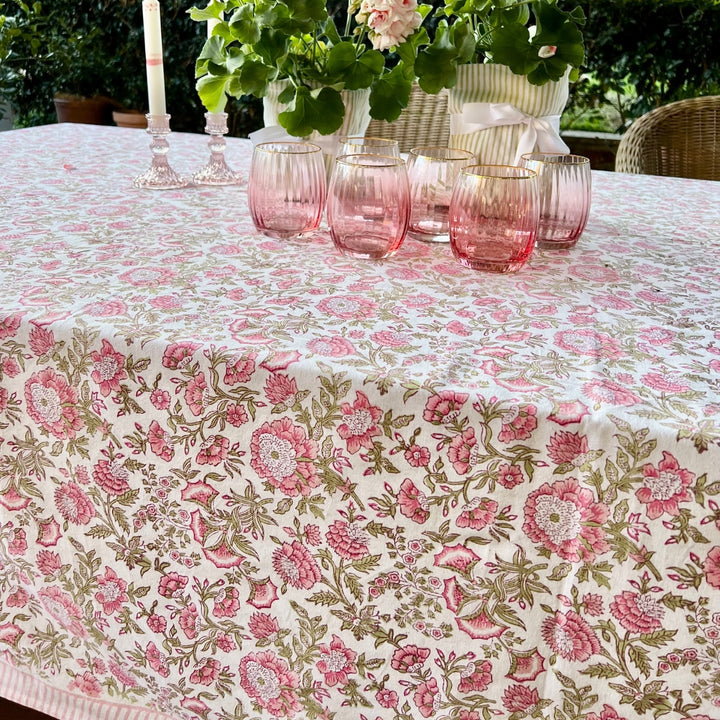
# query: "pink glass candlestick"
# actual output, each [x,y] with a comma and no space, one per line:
[217,172]
[159,176]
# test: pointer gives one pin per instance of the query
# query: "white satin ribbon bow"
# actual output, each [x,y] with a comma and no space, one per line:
[541,132]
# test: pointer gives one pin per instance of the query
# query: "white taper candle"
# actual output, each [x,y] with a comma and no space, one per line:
[154,57]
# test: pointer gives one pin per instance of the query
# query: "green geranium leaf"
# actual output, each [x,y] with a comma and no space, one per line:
[436,65]
[213,50]
[306,113]
[243,26]
[214,9]
[272,46]
[254,78]
[211,90]
[307,9]
[511,46]
[356,72]
[390,94]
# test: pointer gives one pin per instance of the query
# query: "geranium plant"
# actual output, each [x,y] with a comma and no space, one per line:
[317,52]
[533,38]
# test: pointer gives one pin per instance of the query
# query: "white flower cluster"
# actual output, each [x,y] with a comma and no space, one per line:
[389,22]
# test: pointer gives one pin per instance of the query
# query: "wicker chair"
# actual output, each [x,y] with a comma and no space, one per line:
[681,139]
[425,121]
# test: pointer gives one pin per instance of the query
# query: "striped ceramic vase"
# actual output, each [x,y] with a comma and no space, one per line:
[496,114]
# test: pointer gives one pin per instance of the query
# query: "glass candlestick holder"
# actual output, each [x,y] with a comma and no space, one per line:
[217,172]
[159,176]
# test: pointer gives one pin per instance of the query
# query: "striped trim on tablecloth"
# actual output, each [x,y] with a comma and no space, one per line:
[498,84]
[25,689]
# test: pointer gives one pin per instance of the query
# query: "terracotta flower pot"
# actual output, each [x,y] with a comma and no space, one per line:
[129,118]
[91,111]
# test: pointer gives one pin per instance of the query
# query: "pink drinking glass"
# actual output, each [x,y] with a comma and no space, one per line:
[287,188]
[432,172]
[368,205]
[494,215]
[564,186]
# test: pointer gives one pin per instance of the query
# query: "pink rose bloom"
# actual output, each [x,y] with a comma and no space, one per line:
[9,325]
[73,504]
[86,683]
[10,367]
[207,673]
[178,355]
[518,424]
[425,695]
[188,621]
[268,680]
[239,370]
[664,487]
[476,677]
[172,585]
[18,544]
[282,454]
[108,368]
[461,449]
[111,592]
[213,451]
[295,565]
[227,602]
[17,599]
[409,658]
[358,425]
[160,399]
[52,403]
[111,476]
[570,636]
[236,415]
[417,456]
[197,394]
[565,518]
[62,607]
[348,540]
[157,660]
[157,442]
[444,407]
[637,613]
[332,346]
[336,662]
[510,475]
[157,623]
[609,392]
[477,514]
[387,698]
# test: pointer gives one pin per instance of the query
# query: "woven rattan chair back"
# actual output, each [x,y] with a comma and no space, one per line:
[681,139]
[425,121]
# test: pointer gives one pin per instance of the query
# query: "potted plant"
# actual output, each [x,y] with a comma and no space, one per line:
[506,64]
[310,58]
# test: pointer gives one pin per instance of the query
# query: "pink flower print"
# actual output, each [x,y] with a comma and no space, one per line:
[108,368]
[461,450]
[661,383]
[10,367]
[280,389]
[295,565]
[73,504]
[51,403]
[157,623]
[412,503]
[239,370]
[263,626]
[391,338]
[566,447]
[609,713]
[389,698]
[111,592]
[157,660]
[86,683]
[458,328]
[157,442]
[3,399]
[425,696]
[236,415]
[336,662]
[637,613]
[444,407]
[178,355]
[282,453]
[564,518]
[331,346]
[107,308]
[9,325]
[518,423]
[520,699]
[213,451]
[417,456]
[18,544]
[588,343]
[188,621]
[18,598]
[568,412]
[509,475]
[172,585]
[570,636]
[607,391]
[409,658]
[358,425]
[197,395]
[348,307]
[147,276]
[711,567]
[61,606]
[227,602]
[478,513]
[656,335]
[206,673]
[121,675]
[348,540]
[112,476]
[48,562]
[664,487]
[160,399]
[41,340]
[269,681]
[476,677]
[312,535]
[225,642]
[593,604]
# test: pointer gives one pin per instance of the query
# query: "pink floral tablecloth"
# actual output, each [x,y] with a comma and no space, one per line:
[244,479]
